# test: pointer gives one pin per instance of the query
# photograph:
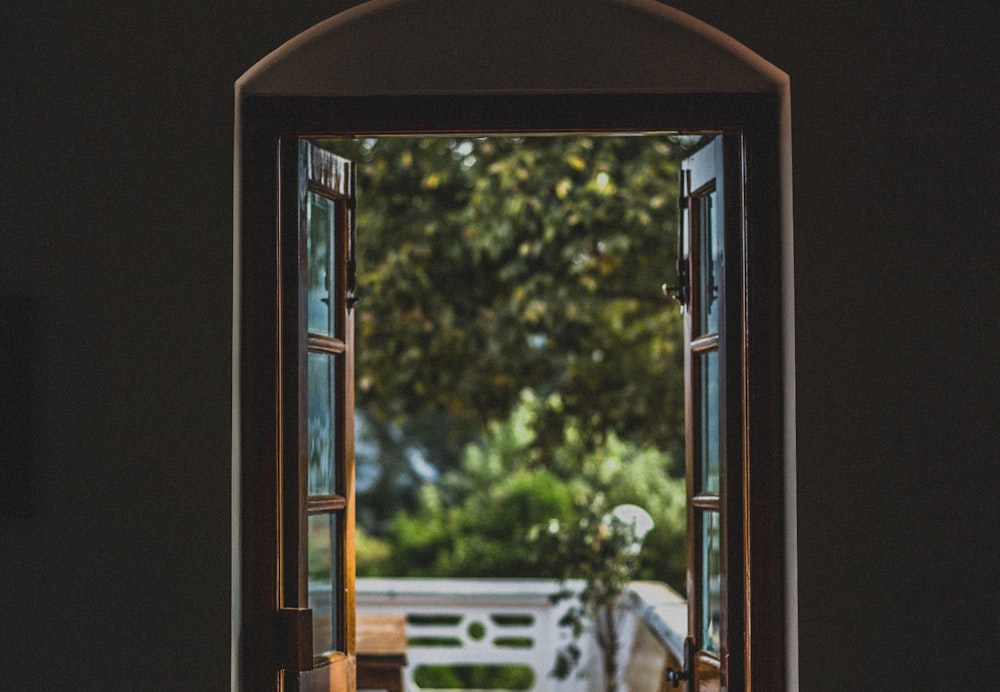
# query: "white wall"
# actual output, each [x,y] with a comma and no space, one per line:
[117,169]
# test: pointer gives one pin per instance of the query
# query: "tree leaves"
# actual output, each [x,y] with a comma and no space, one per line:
[510,511]
[491,265]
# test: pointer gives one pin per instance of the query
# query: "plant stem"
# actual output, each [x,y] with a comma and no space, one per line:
[607,641]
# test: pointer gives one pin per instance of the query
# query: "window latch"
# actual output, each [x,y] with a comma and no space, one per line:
[686,674]
[680,291]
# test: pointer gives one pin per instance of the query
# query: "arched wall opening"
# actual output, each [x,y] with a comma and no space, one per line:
[412,66]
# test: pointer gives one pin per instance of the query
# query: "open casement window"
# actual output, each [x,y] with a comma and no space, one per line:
[316,425]
[710,270]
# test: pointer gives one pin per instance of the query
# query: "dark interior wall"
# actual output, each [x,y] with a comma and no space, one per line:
[116,226]
[895,141]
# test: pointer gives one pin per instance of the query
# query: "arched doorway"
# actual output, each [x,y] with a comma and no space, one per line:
[513,66]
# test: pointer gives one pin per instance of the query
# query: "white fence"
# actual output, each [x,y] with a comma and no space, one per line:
[477,634]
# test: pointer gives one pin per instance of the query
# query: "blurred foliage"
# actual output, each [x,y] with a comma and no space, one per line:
[474,677]
[477,521]
[515,355]
[487,265]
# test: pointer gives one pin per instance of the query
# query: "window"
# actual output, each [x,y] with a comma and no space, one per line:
[710,239]
[316,477]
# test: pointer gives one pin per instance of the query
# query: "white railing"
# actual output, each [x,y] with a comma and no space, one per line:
[504,634]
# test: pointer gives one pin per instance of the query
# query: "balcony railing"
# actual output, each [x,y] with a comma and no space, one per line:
[476,634]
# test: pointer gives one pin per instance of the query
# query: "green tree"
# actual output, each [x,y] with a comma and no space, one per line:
[491,265]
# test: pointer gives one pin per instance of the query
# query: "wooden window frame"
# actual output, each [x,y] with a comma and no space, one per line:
[303,172]
[725,501]
[264,120]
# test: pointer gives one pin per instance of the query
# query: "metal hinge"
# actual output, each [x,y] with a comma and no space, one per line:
[679,291]
[683,190]
[294,634]
[352,252]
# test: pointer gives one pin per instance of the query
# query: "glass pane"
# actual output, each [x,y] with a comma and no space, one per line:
[320,220]
[710,422]
[323,582]
[711,582]
[322,429]
[709,261]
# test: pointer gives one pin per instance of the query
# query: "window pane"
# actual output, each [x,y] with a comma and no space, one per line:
[709,422]
[322,428]
[708,262]
[711,582]
[320,220]
[323,582]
